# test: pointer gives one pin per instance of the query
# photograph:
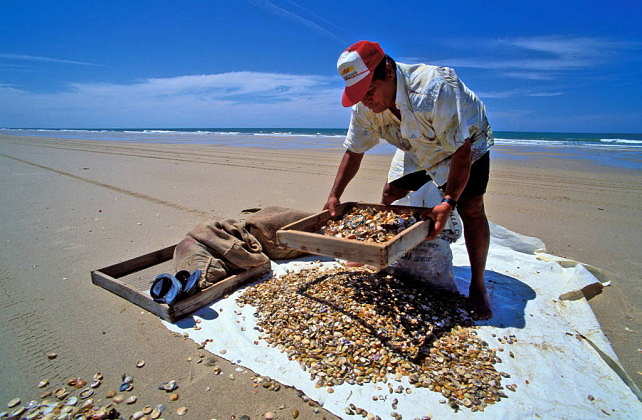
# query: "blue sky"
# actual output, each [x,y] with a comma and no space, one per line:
[538,66]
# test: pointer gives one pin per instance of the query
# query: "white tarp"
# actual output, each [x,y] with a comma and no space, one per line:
[535,296]
[562,370]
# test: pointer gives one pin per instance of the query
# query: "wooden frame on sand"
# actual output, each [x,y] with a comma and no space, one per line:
[110,278]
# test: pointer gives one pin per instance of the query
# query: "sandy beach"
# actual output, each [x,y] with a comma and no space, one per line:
[71,206]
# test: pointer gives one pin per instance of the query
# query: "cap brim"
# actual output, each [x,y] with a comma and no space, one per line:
[355,93]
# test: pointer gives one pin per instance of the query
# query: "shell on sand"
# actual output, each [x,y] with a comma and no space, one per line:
[86,393]
[18,412]
[181,411]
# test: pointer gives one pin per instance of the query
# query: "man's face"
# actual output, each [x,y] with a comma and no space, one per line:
[381,95]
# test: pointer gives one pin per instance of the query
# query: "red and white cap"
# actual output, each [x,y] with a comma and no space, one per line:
[356,65]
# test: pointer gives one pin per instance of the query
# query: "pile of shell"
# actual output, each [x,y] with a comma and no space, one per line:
[369,224]
[354,326]
[64,403]
[75,399]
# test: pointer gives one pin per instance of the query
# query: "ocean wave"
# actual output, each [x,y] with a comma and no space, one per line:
[290,134]
[69,130]
[532,142]
[603,143]
[226,133]
[623,141]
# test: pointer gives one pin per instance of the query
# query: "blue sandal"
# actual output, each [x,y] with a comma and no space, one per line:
[188,281]
[165,289]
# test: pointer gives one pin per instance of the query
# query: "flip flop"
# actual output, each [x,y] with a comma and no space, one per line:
[189,282]
[165,289]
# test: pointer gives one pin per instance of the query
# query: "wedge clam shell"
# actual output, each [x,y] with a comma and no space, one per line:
[168,386]
[86,393]
[18,412]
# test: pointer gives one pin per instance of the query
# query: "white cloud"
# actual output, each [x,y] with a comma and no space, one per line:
[569,46]
[516,92]
[541,53]
[545,94]
[45,59]
[209,100]
[281,11]
[529,75]
[517,64]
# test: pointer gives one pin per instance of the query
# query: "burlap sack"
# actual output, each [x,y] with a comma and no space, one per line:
[218,248]
[264,224]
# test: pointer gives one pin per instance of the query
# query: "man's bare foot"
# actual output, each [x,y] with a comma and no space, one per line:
[479,305]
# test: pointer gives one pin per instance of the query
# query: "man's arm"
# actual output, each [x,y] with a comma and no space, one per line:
[458,174]
[347,170]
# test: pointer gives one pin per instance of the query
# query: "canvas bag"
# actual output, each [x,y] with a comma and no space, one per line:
[263,226]
[431,262]
[218,248]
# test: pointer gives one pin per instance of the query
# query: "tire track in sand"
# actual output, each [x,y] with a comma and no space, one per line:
[113,187]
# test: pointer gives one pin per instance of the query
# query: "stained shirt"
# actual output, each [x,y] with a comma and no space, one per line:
[438,113]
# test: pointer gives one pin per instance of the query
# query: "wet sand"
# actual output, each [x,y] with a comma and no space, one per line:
[71,206]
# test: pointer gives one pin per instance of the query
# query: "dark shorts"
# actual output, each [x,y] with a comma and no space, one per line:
[477,181]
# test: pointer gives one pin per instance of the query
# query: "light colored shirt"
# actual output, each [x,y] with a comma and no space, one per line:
[438,113]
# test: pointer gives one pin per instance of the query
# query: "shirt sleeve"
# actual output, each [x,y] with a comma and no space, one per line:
[447,121]
[457,113]
[362,135]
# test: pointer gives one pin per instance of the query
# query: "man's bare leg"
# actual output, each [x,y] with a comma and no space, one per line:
[477,236]
[392,193]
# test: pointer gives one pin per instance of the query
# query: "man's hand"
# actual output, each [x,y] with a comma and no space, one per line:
[331,205]
[439,214]
[347,170]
